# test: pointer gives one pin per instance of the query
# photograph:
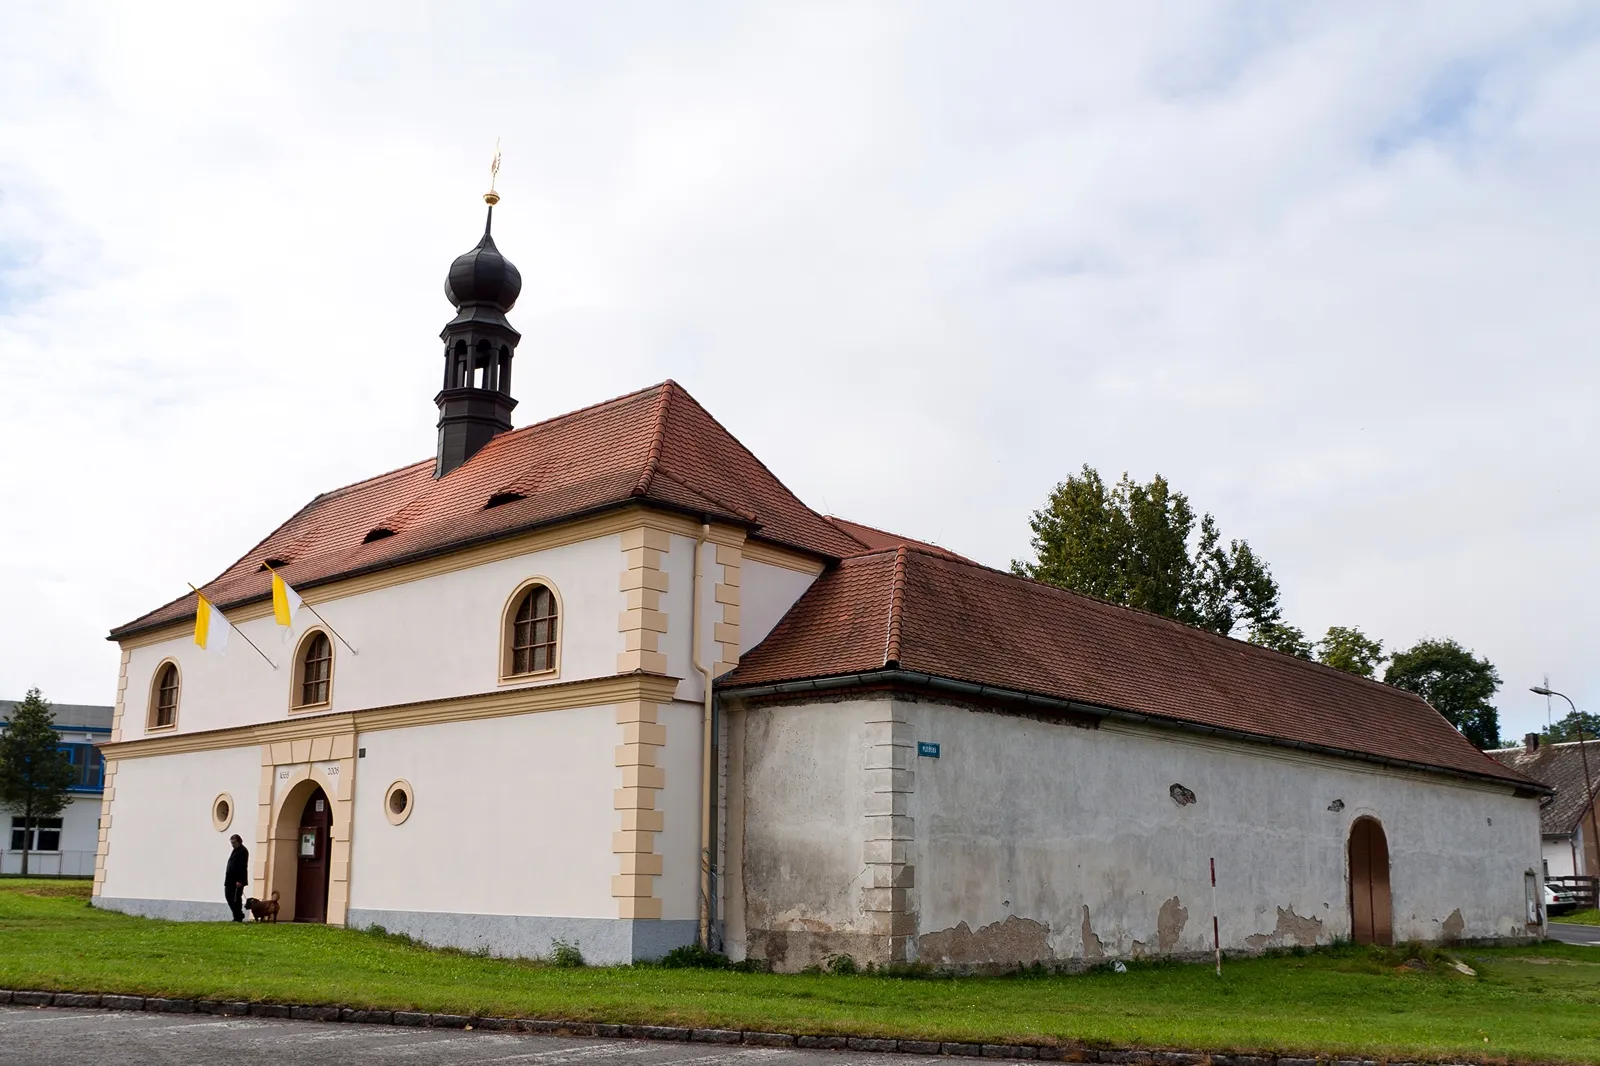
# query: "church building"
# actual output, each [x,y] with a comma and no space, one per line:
[603,679]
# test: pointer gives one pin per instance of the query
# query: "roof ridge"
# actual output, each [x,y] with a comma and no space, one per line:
[668,383]
[834,520]
[408,467]
[776,480]
[1143,613]
[653,458]
[897,599]
[737,512]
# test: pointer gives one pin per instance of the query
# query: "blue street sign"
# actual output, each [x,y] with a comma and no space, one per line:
[931,751]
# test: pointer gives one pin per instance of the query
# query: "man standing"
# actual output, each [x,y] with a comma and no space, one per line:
[233,881]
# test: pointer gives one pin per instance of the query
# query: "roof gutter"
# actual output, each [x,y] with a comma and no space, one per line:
[971,690]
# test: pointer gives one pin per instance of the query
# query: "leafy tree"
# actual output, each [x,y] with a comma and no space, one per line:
[34,770]
[1458,683]
[1129,544]
[1348,649]
[1281,636]
[1566,729]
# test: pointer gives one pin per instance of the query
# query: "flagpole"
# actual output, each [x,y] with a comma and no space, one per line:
[313,610]
[236,629]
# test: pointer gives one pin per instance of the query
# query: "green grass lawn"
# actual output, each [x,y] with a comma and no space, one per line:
[1586,917]
[1525,1004]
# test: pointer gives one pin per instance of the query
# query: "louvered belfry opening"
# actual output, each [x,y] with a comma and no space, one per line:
[474,399]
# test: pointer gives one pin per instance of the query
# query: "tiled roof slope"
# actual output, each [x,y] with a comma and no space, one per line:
[930,614]
[874,539]
[1561,767]
[657,446]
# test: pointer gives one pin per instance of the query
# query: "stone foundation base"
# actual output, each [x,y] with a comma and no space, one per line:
[173,910]
[603,941]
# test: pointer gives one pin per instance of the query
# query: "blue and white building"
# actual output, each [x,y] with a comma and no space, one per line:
[65,845]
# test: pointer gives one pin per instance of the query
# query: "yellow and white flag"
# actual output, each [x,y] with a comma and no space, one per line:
[285,602]
[210,628]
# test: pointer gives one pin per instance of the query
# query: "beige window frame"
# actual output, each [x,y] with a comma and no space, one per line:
[222,812]
[509,626]
[302,652]
[152,722]
[401,794]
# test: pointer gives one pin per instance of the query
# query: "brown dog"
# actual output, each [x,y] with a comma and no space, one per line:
[264,910]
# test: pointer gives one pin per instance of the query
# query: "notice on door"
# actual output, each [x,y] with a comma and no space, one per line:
[308,845]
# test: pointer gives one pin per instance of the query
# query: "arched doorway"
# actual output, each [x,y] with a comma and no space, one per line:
[1371,914]
[312,844]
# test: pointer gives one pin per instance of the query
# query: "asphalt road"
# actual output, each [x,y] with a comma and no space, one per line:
[47,1036]
[1574,934]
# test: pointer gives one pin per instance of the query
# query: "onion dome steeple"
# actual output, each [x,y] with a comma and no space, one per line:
[479,344]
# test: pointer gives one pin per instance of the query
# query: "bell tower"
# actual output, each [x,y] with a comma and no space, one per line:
[479,345]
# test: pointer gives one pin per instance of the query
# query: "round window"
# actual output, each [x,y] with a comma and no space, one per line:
[397,802]
[222,812]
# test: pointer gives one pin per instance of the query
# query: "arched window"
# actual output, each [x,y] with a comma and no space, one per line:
[164,697]
[313,680]
[532,632]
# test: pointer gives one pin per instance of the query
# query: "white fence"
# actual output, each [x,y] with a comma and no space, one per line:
[49,863]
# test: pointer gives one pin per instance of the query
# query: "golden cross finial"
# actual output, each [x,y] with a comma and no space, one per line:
[491,197]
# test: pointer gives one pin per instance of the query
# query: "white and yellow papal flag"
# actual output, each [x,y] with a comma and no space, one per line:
[285,603]
[210,628]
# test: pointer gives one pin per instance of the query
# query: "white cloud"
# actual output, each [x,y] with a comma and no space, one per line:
[1329,269]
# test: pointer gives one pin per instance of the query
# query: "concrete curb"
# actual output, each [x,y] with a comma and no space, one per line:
[748,1038]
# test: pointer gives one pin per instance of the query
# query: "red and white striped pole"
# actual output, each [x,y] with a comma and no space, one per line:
[1216,935]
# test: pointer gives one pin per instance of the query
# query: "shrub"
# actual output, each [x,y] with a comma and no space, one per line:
[564,955]
[694,957]
[840,964]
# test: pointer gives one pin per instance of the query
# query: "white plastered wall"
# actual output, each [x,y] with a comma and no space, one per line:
[433,638]
[767,594]
[795,823]
[678,887]
[1557,853]
[1039,820]
[163,843]
[1036,821]
[511,816]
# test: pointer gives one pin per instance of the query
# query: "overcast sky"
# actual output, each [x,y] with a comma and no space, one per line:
[1330,268]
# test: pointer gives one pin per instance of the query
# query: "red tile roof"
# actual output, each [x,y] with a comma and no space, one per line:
[655,446]
[1561,767]
[874,539]
[927,613]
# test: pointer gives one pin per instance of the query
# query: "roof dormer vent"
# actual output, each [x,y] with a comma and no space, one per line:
[503,497]
[377,534]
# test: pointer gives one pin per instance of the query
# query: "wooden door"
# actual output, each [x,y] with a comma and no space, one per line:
[1371,915]
[311,879]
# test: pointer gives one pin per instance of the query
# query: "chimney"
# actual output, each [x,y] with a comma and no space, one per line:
[1530,743]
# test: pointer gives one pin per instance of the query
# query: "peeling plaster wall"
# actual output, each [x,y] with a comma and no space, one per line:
[1039,820]
[1038,841]
[798,834]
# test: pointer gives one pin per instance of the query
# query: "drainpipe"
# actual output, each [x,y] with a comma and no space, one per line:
[706,768]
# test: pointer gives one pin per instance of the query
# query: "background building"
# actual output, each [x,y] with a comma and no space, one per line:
[64,846]
[1565,821]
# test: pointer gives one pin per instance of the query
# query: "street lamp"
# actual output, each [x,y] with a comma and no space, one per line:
[1583,753]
